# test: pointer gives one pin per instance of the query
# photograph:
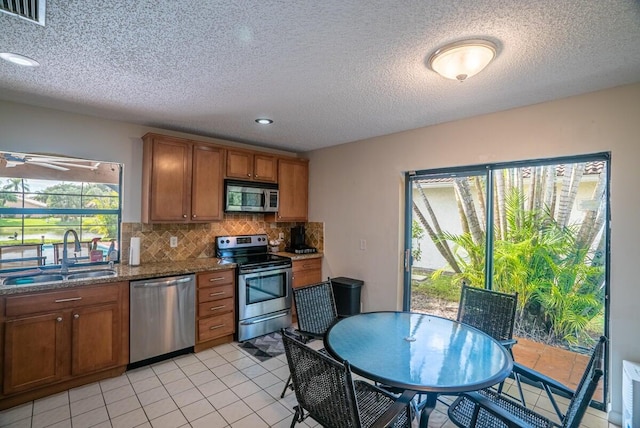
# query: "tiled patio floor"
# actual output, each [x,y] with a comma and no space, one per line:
[564,366]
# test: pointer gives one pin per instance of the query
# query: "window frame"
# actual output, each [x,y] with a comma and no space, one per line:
[81,212]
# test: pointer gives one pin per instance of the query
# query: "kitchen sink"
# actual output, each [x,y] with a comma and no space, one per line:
[55,276]
[32,279]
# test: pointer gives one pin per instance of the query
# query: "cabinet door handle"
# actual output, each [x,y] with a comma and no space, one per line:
[76,316]
[220,278]
[215,327]
[194,216]
[219,293]
[249,175]
[59,319]
[215,308]
[71,299]
[184,216]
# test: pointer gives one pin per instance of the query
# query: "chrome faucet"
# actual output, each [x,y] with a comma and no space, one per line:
[64,266]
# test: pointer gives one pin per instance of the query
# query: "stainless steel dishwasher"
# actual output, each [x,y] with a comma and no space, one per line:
[162,317]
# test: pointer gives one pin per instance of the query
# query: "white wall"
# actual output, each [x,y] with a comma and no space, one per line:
[357,190]
[28,129]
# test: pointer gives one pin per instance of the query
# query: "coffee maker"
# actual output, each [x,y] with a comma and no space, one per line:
[298,242]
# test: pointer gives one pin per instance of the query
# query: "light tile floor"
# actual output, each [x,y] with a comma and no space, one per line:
[222,387]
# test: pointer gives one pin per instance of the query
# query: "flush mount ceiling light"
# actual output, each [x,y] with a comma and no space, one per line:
[18,59]
[461,60]
[264,121]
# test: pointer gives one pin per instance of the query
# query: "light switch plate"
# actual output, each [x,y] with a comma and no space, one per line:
[173,241]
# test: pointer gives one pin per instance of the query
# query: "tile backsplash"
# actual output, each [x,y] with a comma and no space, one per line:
[197,240]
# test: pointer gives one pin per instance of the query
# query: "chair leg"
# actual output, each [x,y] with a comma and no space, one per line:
[297,416]
[517,377]
[286,385]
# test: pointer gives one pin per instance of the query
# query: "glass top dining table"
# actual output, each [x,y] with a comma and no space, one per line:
[420,352]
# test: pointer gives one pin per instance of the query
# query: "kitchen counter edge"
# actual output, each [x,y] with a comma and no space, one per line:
[146,270]
[127,273]
[295,257]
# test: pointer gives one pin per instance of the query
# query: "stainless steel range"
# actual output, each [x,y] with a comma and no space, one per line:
[264,284]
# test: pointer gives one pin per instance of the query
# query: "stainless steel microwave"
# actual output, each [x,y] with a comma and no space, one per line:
[247,196]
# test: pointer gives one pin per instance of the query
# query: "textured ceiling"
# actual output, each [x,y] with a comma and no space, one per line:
[327,72]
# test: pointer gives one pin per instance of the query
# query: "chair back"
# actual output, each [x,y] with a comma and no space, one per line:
[323,386]
[586,387]
[316,308]
[490,311]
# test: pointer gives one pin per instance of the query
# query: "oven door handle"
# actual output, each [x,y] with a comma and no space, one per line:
[264,319]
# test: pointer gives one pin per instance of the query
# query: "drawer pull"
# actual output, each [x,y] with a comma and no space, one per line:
[76,316]
[219,293]
[220,278]
[215,327]
[59,319]
[71,299]
[215,308]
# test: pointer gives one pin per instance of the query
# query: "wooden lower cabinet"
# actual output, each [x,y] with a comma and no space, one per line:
[216,320]
[35,351]
[305,272]
[54,340]
[96,338]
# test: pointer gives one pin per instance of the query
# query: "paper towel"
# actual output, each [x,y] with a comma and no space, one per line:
[134,251]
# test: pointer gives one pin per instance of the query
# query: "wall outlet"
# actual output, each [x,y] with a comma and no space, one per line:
[173,241]
[363,244]
[281,236]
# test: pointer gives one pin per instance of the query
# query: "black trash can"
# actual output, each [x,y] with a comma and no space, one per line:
[346,292]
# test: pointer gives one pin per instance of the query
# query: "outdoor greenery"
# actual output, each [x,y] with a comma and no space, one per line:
[59,196]
[555,267]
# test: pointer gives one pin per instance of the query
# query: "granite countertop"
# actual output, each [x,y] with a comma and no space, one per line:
[126,273]
[294,256]
[145,270]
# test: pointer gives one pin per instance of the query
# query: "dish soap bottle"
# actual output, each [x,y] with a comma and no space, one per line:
[112,254]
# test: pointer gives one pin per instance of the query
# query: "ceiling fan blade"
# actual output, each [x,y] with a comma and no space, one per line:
[72,165]
[48,165]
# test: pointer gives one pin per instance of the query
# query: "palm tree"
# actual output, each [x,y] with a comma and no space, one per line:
[17,185]
[553,265]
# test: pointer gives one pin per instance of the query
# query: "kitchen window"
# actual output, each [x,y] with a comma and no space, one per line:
[43,196]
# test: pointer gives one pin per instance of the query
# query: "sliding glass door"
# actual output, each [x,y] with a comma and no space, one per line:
[537,228]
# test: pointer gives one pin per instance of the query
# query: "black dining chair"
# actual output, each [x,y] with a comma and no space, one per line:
[490,311]
[487,408]
[316,309]
[326,391]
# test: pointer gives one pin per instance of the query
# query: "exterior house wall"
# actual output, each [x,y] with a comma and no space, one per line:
[443,203]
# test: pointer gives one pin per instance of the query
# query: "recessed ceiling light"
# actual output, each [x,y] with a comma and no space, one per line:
[264,121]
[19,59]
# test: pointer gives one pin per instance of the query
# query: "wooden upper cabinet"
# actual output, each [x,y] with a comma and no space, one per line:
[293,183]
[182,180]
[247,165]
[206,187]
